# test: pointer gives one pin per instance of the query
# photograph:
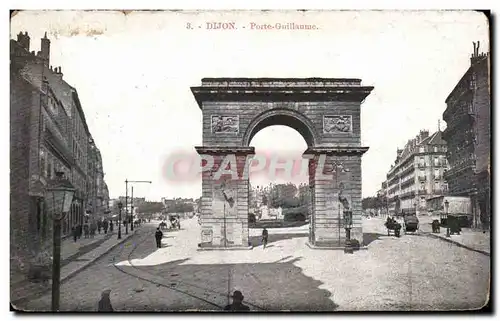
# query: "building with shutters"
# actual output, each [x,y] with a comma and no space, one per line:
[416,175]
[468,137]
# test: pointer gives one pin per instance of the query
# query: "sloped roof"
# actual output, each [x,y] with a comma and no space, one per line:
[434,139]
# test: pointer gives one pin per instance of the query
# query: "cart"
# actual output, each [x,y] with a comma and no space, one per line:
[411,224]
[175,221]
[392,225]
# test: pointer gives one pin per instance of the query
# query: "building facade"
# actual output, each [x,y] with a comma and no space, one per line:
[417,174]
[48,134]
[98,197]
[468,137]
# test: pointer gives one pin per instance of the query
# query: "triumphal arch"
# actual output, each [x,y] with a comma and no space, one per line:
[325,111]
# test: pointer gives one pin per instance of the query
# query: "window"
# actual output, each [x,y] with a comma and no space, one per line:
[421,149]
[422,161]
[436,161]
[435,149]
[49,170]
[53,105]
[421,173]
[436,185]
[43,169]
[436,174]
[443,160]
[422,186]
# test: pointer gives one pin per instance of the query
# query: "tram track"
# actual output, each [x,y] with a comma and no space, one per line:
[161,280]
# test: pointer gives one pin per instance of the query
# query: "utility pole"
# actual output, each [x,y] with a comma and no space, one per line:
[126,206]
[132,202]
[132,210]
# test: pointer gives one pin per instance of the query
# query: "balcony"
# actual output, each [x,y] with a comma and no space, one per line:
[422,192]
[437,192]
[422,178]
[421,165]
[406,195]
[407,171]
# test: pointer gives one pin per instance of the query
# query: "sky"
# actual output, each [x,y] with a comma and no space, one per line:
[133,74]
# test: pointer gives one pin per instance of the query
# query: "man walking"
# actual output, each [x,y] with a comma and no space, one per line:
[264,237]
[158,237]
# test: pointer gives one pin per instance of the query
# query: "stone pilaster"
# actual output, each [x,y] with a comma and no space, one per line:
[224,204]
[335,180]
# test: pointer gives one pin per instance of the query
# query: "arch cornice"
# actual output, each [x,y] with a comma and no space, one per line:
[276,112]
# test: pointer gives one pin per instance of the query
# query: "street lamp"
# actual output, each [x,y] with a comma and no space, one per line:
[348,226]
[120,205]
[59,196]
[446,204]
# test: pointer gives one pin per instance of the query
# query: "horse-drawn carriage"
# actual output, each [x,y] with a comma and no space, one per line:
[392,225]
[411,223]
[175,221]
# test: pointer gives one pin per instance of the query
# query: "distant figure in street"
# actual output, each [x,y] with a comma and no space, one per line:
[105,302]
[79,230]
[99,226]
[264,237]
[74,231]
[105,227]
[158,237]
[237,304]
[111,226]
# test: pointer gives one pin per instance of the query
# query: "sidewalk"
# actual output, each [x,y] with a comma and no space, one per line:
[75,256]
[472,239]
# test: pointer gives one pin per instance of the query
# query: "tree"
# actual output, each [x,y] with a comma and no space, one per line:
[150,207]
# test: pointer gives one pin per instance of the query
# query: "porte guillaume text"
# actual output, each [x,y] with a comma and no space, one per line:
[231,25]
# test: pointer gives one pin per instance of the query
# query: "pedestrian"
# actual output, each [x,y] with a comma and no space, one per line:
[74,231]
[105,226]
[79,230]
[93,228]
[237,304]
[86,230]
[158,237]
[99,226]
[264,237]
[111,226]
[105,302]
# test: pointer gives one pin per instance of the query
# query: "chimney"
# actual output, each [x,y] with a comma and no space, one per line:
[24,40]
[45,50]
[58,72]
[476,56]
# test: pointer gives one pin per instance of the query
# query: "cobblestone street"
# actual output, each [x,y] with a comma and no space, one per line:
[413,272]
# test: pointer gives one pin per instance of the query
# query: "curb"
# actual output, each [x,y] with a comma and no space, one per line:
[334,248]
[90,262]
[458,244]
[73,273]
[234,248]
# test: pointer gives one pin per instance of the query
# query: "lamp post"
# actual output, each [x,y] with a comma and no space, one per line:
[59,196]
[348,226]
[446,204]
[132,202]
[120,205]
[337,169]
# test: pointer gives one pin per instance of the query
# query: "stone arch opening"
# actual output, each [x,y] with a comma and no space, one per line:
[280,198]
[284,117]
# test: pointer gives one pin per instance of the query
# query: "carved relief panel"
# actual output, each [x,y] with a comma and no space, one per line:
[225,124]
[337,124]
